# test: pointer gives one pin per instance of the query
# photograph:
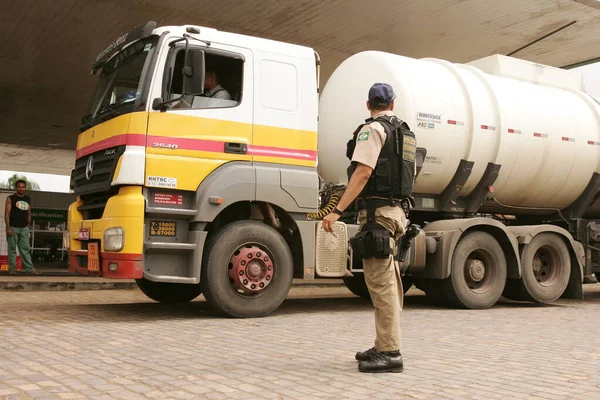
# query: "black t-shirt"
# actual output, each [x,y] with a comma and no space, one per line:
[19,211]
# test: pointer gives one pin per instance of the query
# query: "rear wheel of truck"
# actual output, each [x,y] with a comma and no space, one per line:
[166,292]
[247,270]
[357,285]
[433,290]
[478,272]
[407,283]
[546,270]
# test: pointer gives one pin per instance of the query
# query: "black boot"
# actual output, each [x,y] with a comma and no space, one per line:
[365,355]
[386,361]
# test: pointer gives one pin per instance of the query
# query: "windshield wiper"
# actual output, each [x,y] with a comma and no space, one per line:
[86,122]
[105,113]
[106,108]
[108,112]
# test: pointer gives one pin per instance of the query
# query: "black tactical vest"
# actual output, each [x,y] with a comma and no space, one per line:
[394,171]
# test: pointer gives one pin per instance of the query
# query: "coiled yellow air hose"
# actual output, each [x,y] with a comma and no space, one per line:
[333,201]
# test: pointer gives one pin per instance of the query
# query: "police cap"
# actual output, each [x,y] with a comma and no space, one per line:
[381,94]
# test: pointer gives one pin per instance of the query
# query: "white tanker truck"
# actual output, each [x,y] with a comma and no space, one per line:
[507,186]
[189,194]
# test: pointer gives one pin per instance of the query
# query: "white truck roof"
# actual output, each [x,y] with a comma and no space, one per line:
[251,42]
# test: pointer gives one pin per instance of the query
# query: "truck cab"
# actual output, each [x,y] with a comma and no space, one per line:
[189,132]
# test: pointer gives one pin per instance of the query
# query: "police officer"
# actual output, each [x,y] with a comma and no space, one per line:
[382,171]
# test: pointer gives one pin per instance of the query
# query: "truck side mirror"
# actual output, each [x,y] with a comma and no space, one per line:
[158,104]
[193,73]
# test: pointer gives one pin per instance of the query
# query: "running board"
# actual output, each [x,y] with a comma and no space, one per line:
[170,246]
[170,279]
[171,211]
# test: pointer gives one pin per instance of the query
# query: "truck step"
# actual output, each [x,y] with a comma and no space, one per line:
[171,211]
[170,279]
[170,246]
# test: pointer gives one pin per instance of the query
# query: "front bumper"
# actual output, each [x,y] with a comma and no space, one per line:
[128,266]
[126,210]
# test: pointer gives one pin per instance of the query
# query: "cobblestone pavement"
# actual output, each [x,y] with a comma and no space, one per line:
[118,344]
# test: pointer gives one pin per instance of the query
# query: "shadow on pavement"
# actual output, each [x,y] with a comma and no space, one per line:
[200,309]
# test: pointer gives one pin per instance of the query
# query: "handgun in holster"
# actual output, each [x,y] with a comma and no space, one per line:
[412,231]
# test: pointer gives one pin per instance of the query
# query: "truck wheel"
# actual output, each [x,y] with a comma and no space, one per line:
[478,273]
[247,270]
[165,292]
[406,283]
[433,291]
[420,284]
[357,285]
[514,290]
[546,267]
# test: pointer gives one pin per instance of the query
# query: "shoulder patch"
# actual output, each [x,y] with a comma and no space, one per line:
[362,136]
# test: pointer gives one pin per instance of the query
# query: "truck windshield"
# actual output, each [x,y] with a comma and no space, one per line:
[120,83]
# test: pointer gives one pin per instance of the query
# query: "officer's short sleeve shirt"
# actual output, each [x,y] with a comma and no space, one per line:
[369,142]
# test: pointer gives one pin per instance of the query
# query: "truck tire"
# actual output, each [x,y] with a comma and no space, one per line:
[514,290]
[247,270]
[433,291]
[546,270]
[357,285]
[165,292]
[478,272]
[407,283]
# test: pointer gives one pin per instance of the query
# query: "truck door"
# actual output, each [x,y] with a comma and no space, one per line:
[197,134]
[285,129]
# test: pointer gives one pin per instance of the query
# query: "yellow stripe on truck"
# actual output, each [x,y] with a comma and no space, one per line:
[132,123]
[188,148]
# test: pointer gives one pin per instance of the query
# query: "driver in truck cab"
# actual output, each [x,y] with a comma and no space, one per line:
[382,153]
[214,94]
[212,87]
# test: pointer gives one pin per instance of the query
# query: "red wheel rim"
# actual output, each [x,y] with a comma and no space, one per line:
[251,270]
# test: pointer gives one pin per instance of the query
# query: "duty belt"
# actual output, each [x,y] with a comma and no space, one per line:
[370,204]
[367,203]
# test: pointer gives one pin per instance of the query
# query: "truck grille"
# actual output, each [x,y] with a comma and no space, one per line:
[103,165]
[96,191]
[94,203]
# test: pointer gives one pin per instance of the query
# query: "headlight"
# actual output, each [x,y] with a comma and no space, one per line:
[114,238]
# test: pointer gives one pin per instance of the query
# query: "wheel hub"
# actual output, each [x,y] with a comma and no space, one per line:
[537,265]
[254,270]
[476,270]
[542,265]
[250,270]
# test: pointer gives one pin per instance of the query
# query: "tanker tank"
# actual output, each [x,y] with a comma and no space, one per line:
[536,122]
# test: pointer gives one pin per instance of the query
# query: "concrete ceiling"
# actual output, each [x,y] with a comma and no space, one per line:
[48,46]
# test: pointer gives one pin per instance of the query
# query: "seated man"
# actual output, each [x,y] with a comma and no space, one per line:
[212,87]
[214,94]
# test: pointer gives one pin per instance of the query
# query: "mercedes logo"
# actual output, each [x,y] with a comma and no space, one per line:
[89,168]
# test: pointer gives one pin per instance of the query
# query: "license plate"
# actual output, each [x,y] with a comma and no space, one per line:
[163,228]
[93,263]
[84,234]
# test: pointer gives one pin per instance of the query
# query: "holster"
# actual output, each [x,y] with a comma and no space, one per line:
[373,241]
